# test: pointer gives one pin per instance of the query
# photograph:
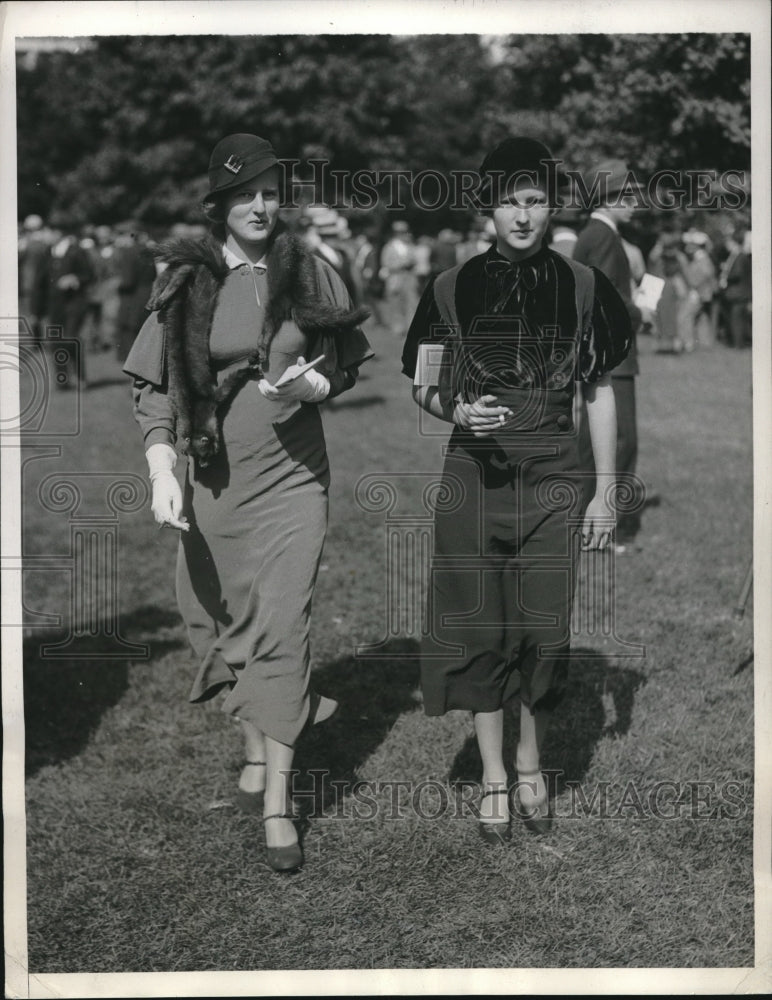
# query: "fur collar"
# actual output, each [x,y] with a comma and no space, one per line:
[186,295]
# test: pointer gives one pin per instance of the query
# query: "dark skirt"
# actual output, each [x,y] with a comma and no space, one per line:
[506,548]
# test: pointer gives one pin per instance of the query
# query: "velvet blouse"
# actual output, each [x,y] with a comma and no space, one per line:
[541,323]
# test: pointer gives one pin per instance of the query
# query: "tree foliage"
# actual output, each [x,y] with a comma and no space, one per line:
[674,102]
[125,128]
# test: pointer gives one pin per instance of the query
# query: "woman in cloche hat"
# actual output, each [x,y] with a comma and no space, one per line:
[519,324]
[218,367]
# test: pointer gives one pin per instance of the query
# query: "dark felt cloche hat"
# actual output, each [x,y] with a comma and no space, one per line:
[237,159]
[520,156]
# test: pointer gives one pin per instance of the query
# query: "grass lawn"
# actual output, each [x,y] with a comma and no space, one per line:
[138,860]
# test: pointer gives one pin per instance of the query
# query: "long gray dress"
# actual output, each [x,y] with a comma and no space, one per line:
[246,569]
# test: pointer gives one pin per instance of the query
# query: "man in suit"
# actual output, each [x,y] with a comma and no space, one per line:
[136,273]
[59,298]
[33,248]
[735,291]
[600,245]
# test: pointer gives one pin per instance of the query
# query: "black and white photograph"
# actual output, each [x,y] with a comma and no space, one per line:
[386,537]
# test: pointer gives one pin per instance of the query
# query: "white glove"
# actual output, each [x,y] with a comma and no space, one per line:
[310,387]
[167,495]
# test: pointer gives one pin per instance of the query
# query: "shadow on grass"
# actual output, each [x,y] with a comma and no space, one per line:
[598,702]
[64,699]
[743,664]
[372,694]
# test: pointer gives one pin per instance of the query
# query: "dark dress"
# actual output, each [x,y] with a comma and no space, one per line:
[502,578]
[246,569]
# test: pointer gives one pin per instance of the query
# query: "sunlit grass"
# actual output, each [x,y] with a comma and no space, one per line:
[138,861]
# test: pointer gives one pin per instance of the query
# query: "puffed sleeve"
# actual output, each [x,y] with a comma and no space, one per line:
[153,409]
[606,332]
[344,352]
[146,359]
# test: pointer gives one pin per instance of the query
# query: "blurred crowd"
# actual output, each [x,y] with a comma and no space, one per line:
[93,282]
[693,291]
[707,289]
[91,285]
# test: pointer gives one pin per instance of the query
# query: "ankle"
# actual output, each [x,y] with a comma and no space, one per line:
[494,804]
[494,779]
[252,778]
[276,804]
[279,830]
[527,761]
[531,786]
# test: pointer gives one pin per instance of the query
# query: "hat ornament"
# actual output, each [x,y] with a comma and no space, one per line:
[233,164]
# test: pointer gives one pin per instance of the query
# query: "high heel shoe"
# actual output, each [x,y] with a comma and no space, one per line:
[251,803]
[495,832]
[536,818]
[284,859]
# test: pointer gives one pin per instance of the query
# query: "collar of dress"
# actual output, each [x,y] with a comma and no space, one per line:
[604,218]
[232,261]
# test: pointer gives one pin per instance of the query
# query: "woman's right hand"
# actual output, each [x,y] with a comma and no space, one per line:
[480,417]
[167,495]
[167,502]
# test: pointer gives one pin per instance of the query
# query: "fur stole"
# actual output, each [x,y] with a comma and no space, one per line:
[186,295]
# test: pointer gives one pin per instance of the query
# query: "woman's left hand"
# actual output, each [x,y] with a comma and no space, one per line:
[599,523]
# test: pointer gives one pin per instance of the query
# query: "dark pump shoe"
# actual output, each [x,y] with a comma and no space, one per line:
[284,859]
[251,803]
[492,832]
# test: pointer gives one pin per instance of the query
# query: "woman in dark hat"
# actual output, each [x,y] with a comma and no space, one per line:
[233,315]
[494,348]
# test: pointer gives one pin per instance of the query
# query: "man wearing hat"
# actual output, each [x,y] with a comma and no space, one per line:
[59,298]
[33,248]
[327,234]
[600,245]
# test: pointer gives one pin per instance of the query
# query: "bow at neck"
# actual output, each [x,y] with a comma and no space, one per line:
[508,279]
[512,272]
